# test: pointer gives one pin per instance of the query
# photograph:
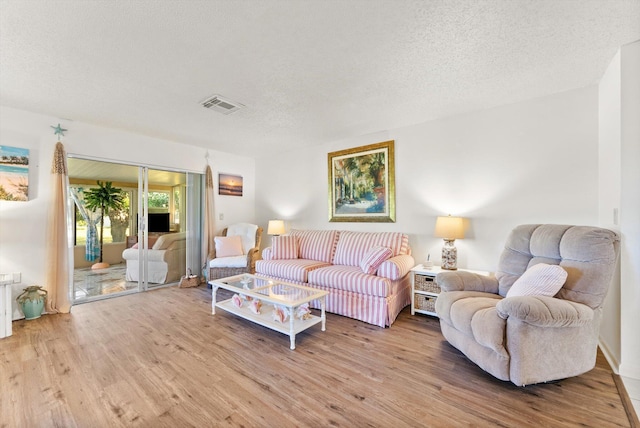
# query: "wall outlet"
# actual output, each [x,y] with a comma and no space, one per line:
[17,277]
[615,216]
[221,216]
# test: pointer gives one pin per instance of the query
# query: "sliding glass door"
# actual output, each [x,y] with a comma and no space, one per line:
[148,240]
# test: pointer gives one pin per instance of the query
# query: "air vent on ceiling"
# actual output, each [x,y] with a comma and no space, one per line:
[222,105]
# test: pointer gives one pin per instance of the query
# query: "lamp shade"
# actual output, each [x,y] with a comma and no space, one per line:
[276,227]
[449,227]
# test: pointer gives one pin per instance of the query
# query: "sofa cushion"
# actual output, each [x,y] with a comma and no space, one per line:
[352,246]
[294,270]
[228,246]
[284,247]
[350,278]
[539,280]
[229,262]
[474,314]
[165,240]
[374,258]
[316,244]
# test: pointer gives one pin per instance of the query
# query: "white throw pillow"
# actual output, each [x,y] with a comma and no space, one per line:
[228,246]
[539,280]
[373,258]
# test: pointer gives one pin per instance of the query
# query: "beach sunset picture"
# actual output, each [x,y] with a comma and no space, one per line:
[14,174]
[230,185]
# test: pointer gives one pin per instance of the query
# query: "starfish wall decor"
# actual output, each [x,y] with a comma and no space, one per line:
[59,130]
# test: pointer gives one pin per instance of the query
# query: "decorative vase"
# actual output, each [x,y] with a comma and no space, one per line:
[32,301]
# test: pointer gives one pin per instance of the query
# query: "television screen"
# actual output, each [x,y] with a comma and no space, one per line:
[158,222]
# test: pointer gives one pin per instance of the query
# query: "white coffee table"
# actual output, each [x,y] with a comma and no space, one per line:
[287,296]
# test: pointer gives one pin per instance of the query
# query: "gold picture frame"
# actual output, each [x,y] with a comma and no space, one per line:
[362,184]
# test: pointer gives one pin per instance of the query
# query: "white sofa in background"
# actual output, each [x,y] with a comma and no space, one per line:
[167,259]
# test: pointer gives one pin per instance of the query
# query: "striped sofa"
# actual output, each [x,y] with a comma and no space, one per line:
[339,262]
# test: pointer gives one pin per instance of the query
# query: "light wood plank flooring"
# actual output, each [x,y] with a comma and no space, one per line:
[160,359]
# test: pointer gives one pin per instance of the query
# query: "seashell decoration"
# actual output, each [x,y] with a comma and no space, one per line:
[303,312]
[255,306]
[236,300]
[280,314]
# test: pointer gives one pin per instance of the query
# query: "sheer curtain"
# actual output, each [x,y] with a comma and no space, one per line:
[209,225]
[57,273]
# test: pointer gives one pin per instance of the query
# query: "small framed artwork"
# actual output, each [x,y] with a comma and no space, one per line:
[229,185]
[362,184]
[14,174]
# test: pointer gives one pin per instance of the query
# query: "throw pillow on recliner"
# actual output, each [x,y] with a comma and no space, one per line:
[539,280]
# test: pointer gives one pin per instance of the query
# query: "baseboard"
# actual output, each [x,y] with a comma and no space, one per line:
[611,359]
[626,401]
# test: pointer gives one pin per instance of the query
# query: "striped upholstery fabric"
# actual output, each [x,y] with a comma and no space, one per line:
[316,244]
[374,258]
[380,311]
[396,267]
[295,270]
[352,246]
[267,253]
[285,247]
[350,278]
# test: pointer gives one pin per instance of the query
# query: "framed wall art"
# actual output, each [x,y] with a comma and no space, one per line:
[14,174]
[229,185]
[362,184]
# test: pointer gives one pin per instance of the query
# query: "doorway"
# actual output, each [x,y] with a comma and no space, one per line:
[146,240]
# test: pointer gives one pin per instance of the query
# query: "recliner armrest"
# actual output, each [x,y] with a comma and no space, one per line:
[466,281]
[545,311]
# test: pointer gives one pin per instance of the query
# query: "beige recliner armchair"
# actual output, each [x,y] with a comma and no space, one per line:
[529,339]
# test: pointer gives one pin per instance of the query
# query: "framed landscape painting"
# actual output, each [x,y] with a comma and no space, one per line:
[362,184]
[14,174]
[230,185]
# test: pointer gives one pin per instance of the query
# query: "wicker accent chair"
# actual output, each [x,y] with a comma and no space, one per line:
[221,267]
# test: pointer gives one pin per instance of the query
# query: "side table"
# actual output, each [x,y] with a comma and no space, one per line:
[425,289]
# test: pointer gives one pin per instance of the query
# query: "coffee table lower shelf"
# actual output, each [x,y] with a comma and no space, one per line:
[291,327]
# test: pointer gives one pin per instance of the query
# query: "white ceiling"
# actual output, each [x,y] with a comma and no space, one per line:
[308,71]
[85,169]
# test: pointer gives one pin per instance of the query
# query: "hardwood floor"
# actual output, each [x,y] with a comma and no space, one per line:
[161,359]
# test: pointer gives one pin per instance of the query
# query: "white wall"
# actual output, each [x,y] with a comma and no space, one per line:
[23,224]
[630,210]
[609,194]
[619,182]
[531,162]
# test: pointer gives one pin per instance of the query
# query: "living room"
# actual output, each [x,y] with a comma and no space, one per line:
[554,157]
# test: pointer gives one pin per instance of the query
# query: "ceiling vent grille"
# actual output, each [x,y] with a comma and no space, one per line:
[221,104]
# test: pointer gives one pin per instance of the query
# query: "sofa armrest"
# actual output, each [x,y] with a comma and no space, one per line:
[466,281]
[252,256]
[396,267]
[545,311]
[267,253]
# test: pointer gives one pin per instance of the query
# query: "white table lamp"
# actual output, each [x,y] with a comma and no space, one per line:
[449,228]
[276,227]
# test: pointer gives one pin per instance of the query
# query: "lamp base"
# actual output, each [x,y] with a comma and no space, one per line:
[449,255]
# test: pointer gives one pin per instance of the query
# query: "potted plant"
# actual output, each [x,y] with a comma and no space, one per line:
[32,301]
[106,198]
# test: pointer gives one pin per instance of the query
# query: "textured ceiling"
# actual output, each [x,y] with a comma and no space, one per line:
[308,71]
